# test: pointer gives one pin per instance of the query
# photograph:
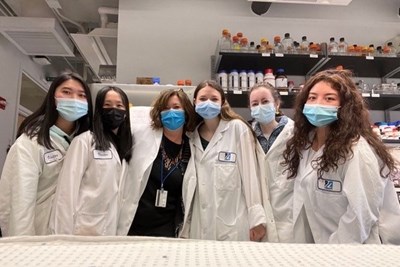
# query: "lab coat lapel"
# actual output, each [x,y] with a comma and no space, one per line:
[223,125]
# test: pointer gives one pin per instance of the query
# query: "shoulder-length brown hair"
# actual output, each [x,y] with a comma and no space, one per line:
[353,122]
[161,103]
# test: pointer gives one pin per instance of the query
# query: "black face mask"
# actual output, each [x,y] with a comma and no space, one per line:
[112,117]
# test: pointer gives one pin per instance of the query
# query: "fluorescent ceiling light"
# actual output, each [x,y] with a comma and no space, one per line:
[36,36]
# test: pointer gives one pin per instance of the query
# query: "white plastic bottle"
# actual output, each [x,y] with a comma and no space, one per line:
[251,79]
[281,79]
[269,77]
[233,82]
[259,77]
[223,79]
[243,80]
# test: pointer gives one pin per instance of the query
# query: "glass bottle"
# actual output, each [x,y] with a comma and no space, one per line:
[304,44]
[225,41]
[278,47]
[287,43]
[342,47]
[333,46]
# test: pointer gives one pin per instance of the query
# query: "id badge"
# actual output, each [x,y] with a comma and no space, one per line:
[161,198]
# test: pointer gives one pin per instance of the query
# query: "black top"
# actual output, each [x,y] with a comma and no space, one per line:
[157,221]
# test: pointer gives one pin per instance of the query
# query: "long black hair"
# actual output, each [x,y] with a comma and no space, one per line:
[123,141]
[39,122]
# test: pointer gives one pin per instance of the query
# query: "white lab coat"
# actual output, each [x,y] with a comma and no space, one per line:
[28,183]
[277,189]
[87,197]
[221,191]
[146,145]
[351,205]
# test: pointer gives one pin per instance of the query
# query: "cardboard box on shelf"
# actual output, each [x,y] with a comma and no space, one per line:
[144,80]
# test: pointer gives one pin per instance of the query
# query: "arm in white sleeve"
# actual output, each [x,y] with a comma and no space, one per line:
[19,181]
[69,181]
[247,162]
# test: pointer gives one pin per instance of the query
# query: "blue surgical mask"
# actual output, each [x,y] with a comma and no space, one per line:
[71,109]
[173,119]
[208,109]
[320,115]
[263,113]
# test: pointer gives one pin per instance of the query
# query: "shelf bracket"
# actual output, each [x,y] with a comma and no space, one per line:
[390,74]
[317,66]
[387,112]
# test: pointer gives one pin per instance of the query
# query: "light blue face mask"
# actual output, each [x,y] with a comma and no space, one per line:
[320,115]
[208,109]
[263,113]
[173,119]
[71,109]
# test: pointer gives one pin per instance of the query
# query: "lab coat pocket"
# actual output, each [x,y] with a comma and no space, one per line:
[336,201]
[226,177]
[90,224]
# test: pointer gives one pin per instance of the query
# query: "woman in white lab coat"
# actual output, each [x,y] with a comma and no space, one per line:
[87,200]
[342,192]
[152,197]
[30,172]
[273,129]
[221,191]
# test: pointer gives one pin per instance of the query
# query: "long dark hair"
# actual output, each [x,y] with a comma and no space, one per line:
[39,122]
[353,122]
[104,137]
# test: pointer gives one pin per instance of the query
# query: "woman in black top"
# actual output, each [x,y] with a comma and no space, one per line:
[153,193]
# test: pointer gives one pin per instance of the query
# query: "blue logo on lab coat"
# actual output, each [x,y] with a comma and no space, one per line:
[328,184]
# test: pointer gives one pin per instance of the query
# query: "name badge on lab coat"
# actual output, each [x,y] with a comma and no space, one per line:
[99,154]
[227,156]
[52,156]
[329,185]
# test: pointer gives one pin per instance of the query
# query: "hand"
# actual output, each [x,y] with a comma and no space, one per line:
[257,233]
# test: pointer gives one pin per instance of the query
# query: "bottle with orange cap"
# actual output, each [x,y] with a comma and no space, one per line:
[225,40]
[244,44]
[235,43]
[278,47]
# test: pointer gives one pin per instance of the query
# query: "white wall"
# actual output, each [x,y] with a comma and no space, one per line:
[12,63]
[174,39]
